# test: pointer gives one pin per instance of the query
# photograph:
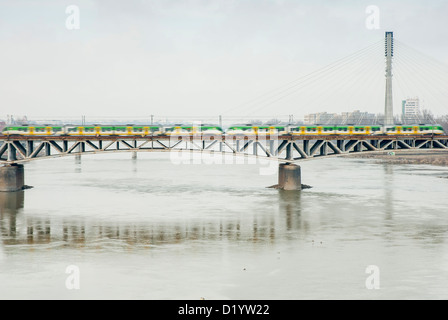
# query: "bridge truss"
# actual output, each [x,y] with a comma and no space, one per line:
[20,149]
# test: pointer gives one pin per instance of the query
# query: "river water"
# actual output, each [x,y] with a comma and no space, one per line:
[112,227]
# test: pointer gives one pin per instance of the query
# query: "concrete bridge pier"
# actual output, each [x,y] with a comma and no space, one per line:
[289,177]
[12,178]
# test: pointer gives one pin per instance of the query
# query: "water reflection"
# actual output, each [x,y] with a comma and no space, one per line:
[10,205]
[258,228]
[291,207]
[78,163]
[11,202]
[294,215]
[388,191]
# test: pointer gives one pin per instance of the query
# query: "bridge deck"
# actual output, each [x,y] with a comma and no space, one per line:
[215,137]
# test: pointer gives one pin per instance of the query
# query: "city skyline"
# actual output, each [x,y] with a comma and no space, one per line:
[412,112]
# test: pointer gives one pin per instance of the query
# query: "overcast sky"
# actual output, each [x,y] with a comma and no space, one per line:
[192,57]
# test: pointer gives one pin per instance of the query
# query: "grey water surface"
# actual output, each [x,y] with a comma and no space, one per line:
[153,229]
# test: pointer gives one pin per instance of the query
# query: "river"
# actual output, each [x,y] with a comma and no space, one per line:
[112,227]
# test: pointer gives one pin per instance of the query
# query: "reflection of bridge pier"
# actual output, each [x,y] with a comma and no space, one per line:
[17,229]
[10,204]
[389,191]
[80,149]
[291,208]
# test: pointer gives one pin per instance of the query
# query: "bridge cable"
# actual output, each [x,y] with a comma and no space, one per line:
[301,79]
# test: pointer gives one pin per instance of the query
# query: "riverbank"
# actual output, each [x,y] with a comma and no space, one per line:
[432,157]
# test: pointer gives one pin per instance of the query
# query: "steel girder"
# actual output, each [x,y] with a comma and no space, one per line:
[18,149]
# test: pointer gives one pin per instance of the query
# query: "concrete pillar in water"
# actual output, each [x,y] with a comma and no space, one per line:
[79,150]
[289,177]
[12,178]
[134,155]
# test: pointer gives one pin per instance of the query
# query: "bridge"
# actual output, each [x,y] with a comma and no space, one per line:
[286,149]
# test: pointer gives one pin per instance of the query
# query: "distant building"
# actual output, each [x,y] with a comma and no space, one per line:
[358,117]
[310,118]
[17,120]
[354,117]
[410,108]
[2,125]
[320,118]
